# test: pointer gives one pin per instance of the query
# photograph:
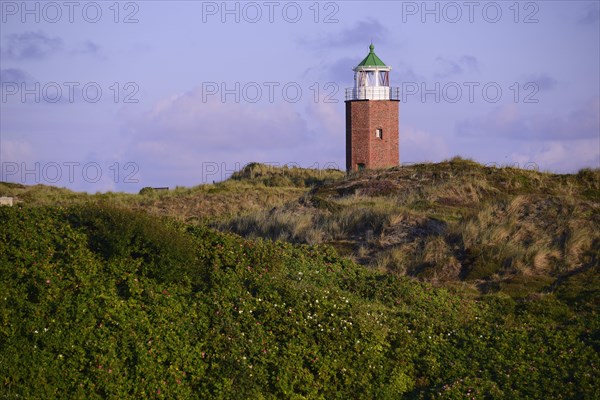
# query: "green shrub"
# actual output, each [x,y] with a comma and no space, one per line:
[165,252]
[146,190]
[101,302]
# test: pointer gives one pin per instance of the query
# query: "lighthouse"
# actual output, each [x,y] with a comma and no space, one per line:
[372,121]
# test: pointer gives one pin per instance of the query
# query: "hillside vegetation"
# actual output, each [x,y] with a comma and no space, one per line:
[255,188]
[507,229]
[457,222]
[448,280]
[103,302]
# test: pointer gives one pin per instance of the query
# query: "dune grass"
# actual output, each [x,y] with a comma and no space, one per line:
[452,221]
[447,222]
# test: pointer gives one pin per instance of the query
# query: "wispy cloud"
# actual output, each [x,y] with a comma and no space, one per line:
[560,156]
[590,14]
[510,123]
[38,45]
[403,72]
[362,31]
[183,133]
[542,80]
[31,46]
[87,47]
[15,75]
[417,145]
[341,70]
[18,150]
[448,67]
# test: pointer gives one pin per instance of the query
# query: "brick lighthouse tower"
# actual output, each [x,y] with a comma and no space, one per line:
[372,122]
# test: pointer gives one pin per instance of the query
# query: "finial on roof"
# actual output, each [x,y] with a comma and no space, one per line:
[371,47]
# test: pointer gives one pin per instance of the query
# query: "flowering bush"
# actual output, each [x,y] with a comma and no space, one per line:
[100,302]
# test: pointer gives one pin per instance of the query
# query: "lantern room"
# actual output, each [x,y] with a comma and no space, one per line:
[371,79]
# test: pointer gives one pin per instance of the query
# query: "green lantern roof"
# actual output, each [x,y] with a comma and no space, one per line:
[371,60]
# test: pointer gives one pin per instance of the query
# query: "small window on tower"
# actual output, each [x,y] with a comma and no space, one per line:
[379,133]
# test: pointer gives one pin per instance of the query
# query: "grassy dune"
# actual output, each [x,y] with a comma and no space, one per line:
[506,229]
[447,281]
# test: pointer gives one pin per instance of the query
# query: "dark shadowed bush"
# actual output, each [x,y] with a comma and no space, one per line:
[165,252]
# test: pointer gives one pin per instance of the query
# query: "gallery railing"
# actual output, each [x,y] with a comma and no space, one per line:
[373,93]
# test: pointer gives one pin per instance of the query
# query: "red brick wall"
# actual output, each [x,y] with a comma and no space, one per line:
[363,117]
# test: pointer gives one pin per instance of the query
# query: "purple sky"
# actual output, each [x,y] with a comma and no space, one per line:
[99,97]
